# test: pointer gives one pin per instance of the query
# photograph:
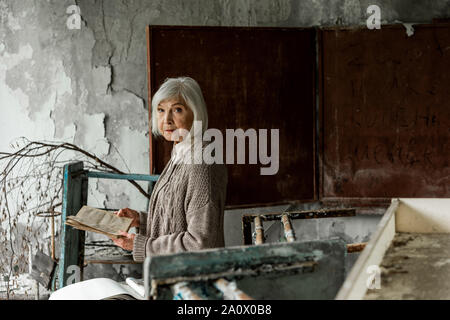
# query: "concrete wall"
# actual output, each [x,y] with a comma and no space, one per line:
[88,85]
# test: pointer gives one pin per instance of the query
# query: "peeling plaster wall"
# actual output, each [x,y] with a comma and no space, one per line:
[89,86]
[56,83]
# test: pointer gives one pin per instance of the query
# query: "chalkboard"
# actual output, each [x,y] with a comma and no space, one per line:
[385,112]
[261,78]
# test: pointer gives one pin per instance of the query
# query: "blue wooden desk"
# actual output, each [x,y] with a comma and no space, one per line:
[75,190]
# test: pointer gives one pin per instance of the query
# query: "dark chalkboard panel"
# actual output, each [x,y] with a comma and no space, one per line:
[385,112]
[261,78]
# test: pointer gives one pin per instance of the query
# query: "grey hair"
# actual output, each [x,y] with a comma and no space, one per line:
[185,89]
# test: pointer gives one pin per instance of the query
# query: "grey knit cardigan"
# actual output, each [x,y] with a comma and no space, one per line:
[186,211]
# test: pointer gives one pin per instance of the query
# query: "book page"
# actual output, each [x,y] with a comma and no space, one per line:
[75,224]
[101,221]
[137,285]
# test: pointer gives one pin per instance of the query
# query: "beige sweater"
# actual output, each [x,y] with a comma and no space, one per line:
[185,211]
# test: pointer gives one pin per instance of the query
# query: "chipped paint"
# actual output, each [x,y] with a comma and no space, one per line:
[102,79]
[16,105]
[132,148]
[68,133]
[10,60]
[91,134]
[131,155]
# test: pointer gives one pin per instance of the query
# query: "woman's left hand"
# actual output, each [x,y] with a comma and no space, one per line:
[126,241]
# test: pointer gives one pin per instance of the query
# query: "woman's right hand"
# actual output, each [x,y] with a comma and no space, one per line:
[129,213]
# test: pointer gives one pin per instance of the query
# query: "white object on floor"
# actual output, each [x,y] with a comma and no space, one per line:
[94,289]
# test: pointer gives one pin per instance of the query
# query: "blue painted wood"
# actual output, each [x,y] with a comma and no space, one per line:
[74,197]
[118,176]
[54,277]
[72,240]
[274,273]
[195,263]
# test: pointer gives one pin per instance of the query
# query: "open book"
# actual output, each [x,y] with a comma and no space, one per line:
[99,221]
[101,289]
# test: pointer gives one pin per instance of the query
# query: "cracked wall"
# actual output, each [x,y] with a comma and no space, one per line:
[89,86]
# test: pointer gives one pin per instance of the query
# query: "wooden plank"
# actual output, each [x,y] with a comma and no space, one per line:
[150,85]
[303,266]
[356,247]
[118,176]
[219,260]
[355,286]
[415,267]
[319,143]
[72,240]
[359,203]
[304,214]
[247,219]
[423,215]
[262,205]
[422,228]
[294,267]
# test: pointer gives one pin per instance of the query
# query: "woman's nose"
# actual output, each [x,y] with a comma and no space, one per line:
[168,117]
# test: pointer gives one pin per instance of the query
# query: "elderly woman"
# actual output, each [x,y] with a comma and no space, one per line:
[187,203]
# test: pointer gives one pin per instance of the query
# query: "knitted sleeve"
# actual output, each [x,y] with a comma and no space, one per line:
[142,222]
[204,204]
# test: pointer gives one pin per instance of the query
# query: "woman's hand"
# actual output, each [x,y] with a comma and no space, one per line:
[129,213]
[125,242]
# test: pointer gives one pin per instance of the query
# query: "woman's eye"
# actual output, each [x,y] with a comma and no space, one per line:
[160,110]
[178,110]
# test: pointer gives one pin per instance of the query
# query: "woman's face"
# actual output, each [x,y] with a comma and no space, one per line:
[172,115]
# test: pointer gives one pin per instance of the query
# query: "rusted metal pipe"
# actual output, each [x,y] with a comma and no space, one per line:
[230,290]
[288,231]
[259,229]
[248,219]
[356,247]
[183,292]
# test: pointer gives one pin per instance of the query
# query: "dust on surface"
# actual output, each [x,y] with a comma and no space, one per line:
[415,266]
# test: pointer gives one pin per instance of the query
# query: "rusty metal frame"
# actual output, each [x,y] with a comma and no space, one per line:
[285,218]
[248,219]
